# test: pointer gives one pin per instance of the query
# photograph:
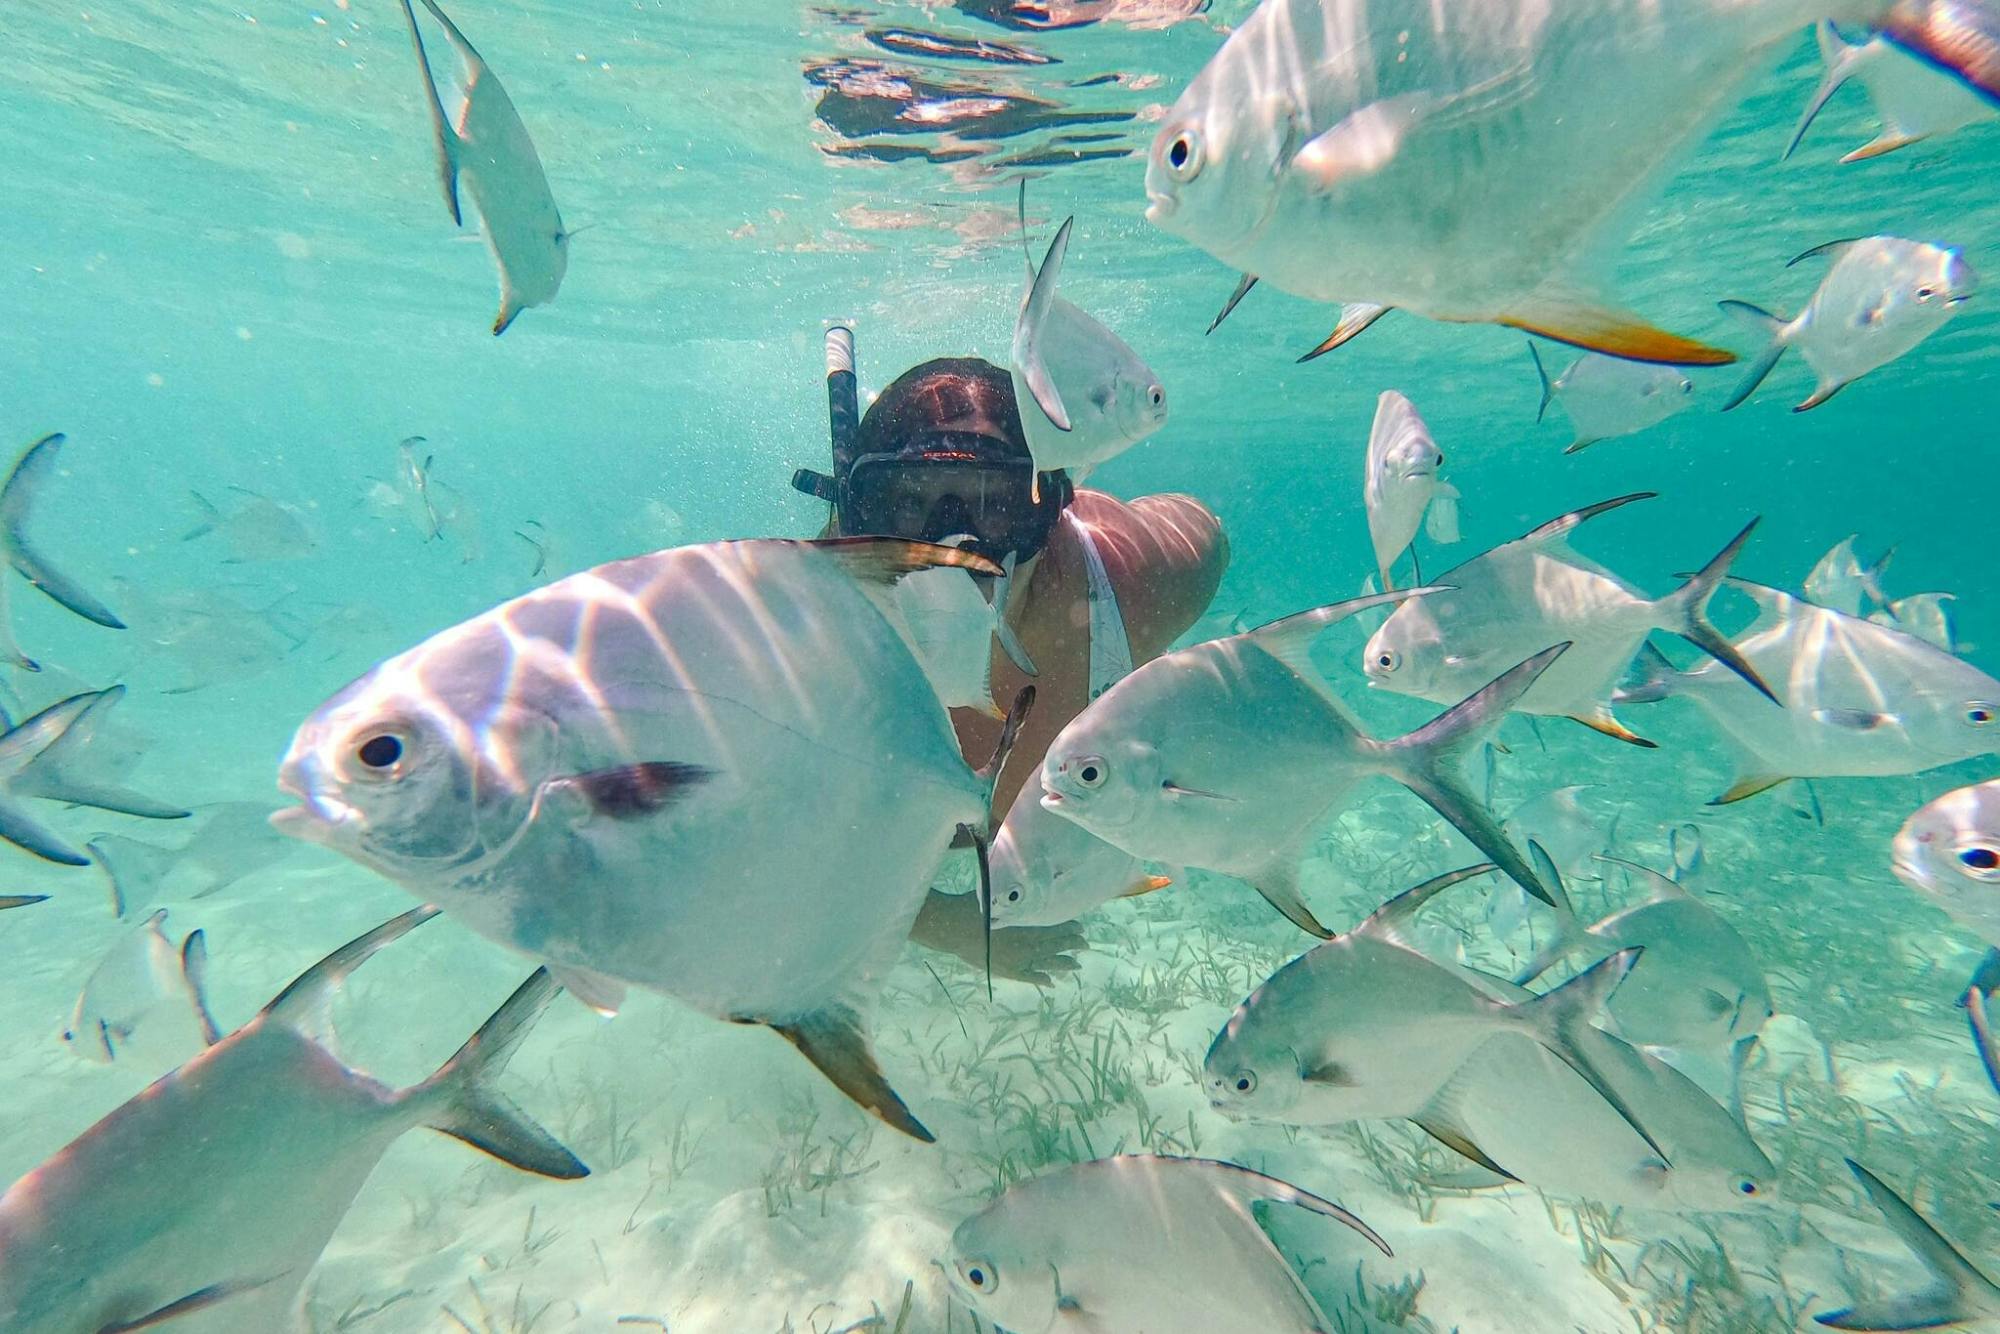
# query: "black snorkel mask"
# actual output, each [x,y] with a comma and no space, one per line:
[939,485]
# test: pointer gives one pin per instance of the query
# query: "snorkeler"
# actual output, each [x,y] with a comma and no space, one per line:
[1100,585]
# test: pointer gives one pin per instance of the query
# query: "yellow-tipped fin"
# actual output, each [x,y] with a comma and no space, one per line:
[1748,787]
[1146,884]
[1615,333]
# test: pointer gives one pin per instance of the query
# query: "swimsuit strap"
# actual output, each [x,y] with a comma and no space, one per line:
[1110,648]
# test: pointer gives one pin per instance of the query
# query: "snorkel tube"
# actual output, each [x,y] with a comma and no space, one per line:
[843,416]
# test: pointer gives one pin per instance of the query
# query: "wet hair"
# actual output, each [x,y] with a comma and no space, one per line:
[958,394]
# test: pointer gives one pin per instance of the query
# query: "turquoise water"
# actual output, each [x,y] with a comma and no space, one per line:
[226,269]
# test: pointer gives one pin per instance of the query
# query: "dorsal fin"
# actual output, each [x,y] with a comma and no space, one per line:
[1388,921]
[299,1002]
[1563,525]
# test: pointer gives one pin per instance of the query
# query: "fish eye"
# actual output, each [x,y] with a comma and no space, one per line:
[1747,1187]
[1245,1081]
[1438,461]
[1091,771]
[1980,860]
[1184,157]
[380,751]
[979,1276]
[1687,386]
[1014,894]
[1926,293]
[1388,660]
[1156,396]
[1979,714]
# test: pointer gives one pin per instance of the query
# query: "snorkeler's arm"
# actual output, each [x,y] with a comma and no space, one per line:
[1166,556]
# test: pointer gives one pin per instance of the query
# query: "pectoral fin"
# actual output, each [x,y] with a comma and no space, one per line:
[1355,319]
[832,1039]
[1853,720]
[633,791]
[1242,290]
[1580,322]
[1362,144]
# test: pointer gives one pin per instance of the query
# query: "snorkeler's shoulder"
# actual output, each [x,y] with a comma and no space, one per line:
[1165,554]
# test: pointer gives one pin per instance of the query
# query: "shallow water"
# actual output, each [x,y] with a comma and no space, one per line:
[226,269]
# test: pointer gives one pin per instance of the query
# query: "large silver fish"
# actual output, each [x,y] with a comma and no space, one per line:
[1882,296]
[1524,595]
[1912,100]
[1861,699]
[715,772]
[1696,985]
[1606,397]
[488,148]
[1139,1243]
[1364,1026]
[1233,755]
[1047,870]
[203,1203]
[1401,484]
[1085,397]
[1472,161]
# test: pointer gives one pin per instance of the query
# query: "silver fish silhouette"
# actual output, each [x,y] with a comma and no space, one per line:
[1606,398]
[1913,101]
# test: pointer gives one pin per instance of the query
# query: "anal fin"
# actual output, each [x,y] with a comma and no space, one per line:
[1748,786]
[1454,1138]
[1355,319]
[833,1040]
[1279,884]
[1603,721]
[1615,333]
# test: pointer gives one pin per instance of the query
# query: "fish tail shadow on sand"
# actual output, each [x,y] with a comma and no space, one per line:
[1425,762]
[1956,1293]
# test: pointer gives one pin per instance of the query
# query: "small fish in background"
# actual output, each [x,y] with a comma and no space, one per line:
[8,901]
[1696,985]
[232,841]
[75,767]
[1882,296]
[1366,1027]
[1607,397]
[1573,835]
[1139,1242]
[1840,581]
[217,1188]
[144,979]
[537,537]
[1861,700]
[23,774]
[1402,488]
[1233,756]
[413,480]
[18,495]
[488,148]
[1047,870]
[684,740]
[256,529]
[1085,397]
[1925,615]
[197,637]
[951,628]
[1525,595]
[1956,1294]
[1912,100]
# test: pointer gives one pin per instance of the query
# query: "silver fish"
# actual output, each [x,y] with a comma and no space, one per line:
[1912,100]
[1453,160]
[218,1187]
[1882,296]
[1606,397]
[1696,985]
[1956,1294]
[1233,755]
[608,774]
[1401,484]
[1047,870]
[235,840]
[1949,852]
[1139,1243]
[1364,1026]
[67,769]
[143,979]
[1085,397]
[1535,591]
[1861,699]
[489,149]
[21,749]
[1839,581]
[18,494]
[256,529]
[413,477]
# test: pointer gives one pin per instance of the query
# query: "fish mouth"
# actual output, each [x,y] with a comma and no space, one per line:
[316,819]
[1160,207]
[1904,863]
